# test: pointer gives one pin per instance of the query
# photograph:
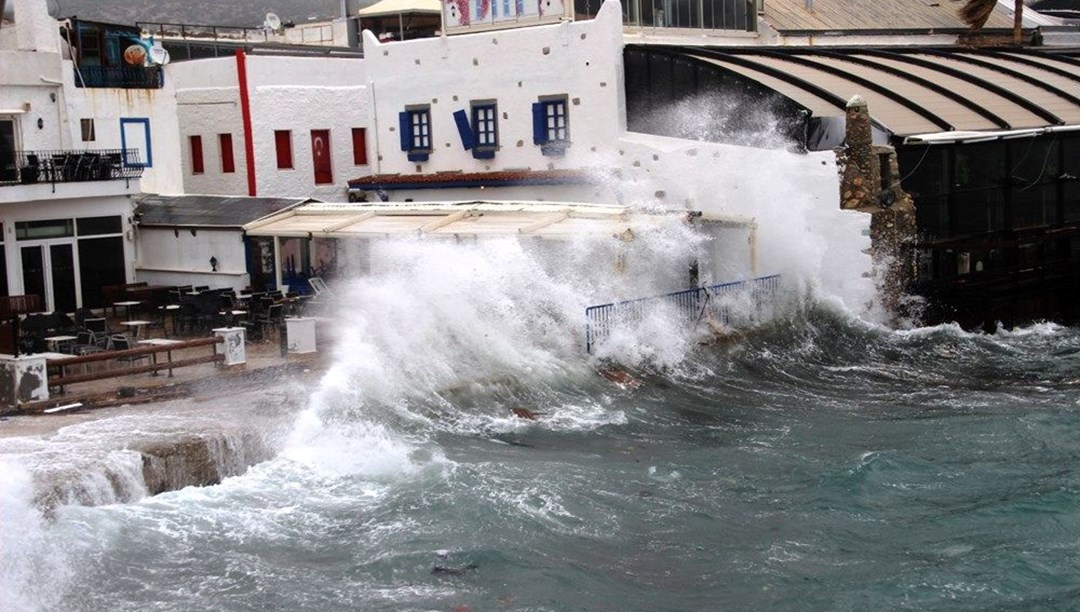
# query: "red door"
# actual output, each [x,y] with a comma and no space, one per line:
[320,156]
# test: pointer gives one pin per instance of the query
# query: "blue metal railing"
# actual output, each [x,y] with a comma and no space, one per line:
[691,305]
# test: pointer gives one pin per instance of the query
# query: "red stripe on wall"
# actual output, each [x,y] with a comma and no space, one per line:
[245,111]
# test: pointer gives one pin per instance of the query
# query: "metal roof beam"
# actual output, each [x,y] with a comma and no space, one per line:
[911,105]
[905,56]
[932,86]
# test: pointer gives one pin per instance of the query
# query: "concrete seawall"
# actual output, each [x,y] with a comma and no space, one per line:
[125,453]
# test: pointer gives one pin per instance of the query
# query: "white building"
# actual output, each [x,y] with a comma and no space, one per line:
[78,137]
[272,125]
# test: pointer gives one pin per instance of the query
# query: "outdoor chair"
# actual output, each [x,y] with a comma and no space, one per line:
[85,343]
[120,342]
[100,328]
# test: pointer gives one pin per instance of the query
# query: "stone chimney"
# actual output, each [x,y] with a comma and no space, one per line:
[870,183]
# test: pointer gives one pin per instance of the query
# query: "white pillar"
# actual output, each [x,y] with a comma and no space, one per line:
[300,332]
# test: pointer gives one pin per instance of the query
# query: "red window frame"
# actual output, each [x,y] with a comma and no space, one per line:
[196,154]
[283,146]
[228,161]
[359,146]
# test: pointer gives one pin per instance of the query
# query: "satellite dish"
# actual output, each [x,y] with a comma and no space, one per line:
[159,56]
[272,22]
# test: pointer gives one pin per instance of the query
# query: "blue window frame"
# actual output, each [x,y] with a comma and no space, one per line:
[415,125]
[135,138]
[551,124]
[485,126]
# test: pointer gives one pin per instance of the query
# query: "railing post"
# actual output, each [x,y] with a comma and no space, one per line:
[232,345]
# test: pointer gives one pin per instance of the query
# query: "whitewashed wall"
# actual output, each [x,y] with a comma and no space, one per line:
[207,105]
[286,93]
[300,95]
[177,257]
[106,106]
[38,81]
[63,208]
[582,60]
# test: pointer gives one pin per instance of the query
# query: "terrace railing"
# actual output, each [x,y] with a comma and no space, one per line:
[123,77]
[164,30]
[718,302]
[59,166]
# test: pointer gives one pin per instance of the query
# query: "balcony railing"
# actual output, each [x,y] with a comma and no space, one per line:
[124,77]
[30,167]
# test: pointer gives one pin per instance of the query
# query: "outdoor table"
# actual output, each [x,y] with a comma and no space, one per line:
[168,354]
[169,310]
[231,315]
[55,342]
[136,326]
[127,306]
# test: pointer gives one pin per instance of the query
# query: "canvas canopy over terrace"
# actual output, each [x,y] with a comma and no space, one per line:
[472,220]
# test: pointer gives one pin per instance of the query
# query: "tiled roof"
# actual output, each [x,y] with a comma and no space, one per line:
[500,178]
[207,210]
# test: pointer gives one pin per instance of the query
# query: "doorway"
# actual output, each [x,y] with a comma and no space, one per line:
[49,271]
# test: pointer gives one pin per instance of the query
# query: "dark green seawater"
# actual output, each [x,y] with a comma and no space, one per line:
[819,464]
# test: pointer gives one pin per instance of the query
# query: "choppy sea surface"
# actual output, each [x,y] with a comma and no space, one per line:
[819,463]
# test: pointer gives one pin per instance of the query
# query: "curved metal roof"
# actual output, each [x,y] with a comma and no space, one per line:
[915,90]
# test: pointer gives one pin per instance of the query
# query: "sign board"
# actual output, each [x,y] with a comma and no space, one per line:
[461,16]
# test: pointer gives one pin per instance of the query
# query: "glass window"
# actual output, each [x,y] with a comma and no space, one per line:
[87,127]
[551,124]
[485,124]
[923,169]
[932,214]
[101,263]
[978,212]
[1034,160]
[8,171]
[415,125]
[979,166]
[420,129]
[50,228]
[558,128]
[96,226]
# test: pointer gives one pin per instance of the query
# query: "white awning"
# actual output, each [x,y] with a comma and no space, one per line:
[12,111]
[397,7]
[556,220]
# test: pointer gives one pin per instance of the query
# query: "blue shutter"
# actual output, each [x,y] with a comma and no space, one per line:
[406,130]
[539,124]
[468,138]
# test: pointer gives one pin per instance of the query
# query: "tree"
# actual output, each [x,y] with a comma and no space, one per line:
[975,13]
